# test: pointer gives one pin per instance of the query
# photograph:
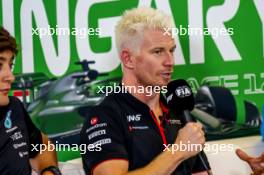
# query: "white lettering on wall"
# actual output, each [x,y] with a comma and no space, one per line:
[57,60]
[216,16]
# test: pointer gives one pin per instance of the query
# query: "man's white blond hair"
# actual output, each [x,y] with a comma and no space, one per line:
[129,30]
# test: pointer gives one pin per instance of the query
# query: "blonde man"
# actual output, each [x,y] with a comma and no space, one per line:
[133,128]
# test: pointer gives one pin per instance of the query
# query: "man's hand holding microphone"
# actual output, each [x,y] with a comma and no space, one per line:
[180,99]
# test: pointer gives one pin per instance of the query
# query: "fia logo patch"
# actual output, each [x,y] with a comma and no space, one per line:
[183,91]
[8,121]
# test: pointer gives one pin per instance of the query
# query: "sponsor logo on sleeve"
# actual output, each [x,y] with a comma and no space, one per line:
[103,141]
[94,120]
[99,125]
[96,134]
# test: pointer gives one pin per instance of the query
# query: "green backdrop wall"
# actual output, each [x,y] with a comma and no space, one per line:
[84,29]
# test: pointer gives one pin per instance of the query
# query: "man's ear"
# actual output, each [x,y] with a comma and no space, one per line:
[127,58]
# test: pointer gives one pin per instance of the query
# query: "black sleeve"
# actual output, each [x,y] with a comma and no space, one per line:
[34,133]
[104,131]
[198,165]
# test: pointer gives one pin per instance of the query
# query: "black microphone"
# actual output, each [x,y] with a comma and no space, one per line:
[180,99]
